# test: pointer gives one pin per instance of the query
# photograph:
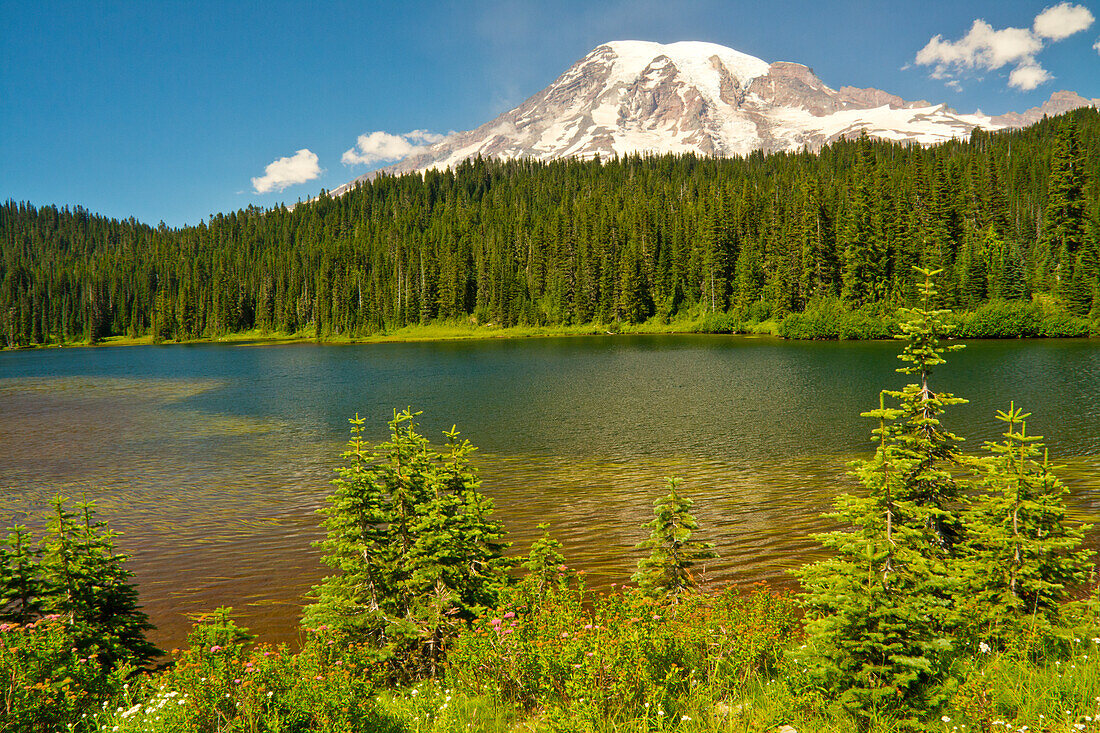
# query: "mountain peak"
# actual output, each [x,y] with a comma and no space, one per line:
[699,59]
[695,97]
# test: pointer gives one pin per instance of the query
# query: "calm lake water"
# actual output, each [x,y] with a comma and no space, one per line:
[212,460]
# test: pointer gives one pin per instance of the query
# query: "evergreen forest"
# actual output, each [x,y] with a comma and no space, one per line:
[1011,215]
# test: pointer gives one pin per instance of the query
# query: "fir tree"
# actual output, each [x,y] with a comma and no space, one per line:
[413,542]
[22,585]
[666,573]
[1065,216]
[545,563]
[89,587]
[1023,560]
[880,614]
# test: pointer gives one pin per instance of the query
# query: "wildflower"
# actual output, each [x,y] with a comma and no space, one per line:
[983,648]
[510,614]
[945,719]
[216,648]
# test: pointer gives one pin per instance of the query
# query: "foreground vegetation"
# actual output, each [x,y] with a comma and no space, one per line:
[1004,216]
[957,597]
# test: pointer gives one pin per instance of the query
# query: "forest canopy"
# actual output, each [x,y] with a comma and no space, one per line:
[1005,216]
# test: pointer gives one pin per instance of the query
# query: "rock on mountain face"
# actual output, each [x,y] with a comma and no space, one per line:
[1058,103]
[694,97]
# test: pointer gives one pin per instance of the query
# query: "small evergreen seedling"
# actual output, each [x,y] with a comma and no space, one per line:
[666,573]
[544,561]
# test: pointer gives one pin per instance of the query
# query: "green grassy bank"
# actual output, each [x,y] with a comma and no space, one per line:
[822,320]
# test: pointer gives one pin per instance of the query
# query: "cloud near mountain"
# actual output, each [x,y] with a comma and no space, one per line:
[382,147]
[279,174]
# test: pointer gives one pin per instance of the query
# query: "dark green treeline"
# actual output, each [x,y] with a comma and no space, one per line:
[1004,215]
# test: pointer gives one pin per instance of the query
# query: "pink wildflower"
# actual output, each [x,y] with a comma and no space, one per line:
[510,614]
[216,648]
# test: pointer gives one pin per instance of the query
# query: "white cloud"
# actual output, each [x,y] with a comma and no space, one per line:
[1097,45]
[1062,21]
[378,146]
[985,48]
[982,48]
[1027,78]
[298,168]
[954,84]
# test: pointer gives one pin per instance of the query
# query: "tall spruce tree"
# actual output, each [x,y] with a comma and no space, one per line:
[880,613]
[1064,220]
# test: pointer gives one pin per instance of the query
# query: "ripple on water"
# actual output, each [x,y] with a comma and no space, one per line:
[213,461]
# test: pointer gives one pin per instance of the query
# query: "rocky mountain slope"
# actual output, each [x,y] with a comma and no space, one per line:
[695,97]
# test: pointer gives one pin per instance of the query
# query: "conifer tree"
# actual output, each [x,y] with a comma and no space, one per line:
[89,587]
[22,586]
[1023,560]
[666,573]
[414,544]
[880,613]
[545,563]
[1065,216]
[863,273]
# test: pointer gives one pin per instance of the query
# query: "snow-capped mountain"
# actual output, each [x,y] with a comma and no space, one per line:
[638,96]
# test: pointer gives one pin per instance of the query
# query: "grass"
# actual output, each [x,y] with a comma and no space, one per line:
[444,331]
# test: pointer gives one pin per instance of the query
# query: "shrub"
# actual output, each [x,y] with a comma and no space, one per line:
[820,320]
[1019,319]
[860,325]
[234,686]
[718,323]
[46,683]
[623,655]
[827,318]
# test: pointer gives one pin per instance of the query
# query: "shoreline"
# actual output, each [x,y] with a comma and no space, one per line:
[416,333]
[469,332]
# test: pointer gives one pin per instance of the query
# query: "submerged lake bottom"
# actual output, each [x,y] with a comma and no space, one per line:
[212,460]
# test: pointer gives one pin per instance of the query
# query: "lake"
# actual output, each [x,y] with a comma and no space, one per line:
[213,459]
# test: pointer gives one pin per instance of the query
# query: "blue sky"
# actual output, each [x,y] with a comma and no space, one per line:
[168,111]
